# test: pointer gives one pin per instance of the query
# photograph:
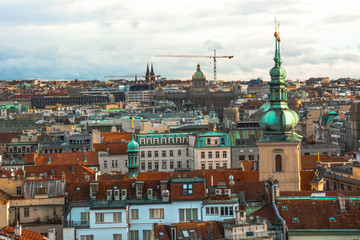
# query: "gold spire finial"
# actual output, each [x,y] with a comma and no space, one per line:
[276,34]
[132,122]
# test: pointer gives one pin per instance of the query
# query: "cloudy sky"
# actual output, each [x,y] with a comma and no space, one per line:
[88,39]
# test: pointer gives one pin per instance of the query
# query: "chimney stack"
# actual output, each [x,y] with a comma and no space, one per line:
[18,230]
[52,234]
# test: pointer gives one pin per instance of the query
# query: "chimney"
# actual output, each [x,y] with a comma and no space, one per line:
[341,198]
[18,230]
[52,234]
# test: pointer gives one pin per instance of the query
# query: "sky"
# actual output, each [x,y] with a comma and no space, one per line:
[88,39]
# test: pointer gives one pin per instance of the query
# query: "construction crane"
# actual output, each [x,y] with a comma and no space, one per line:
[214,57]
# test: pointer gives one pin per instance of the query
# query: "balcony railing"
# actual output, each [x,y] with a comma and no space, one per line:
[77,224]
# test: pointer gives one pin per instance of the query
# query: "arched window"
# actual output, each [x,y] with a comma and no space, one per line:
[278,163]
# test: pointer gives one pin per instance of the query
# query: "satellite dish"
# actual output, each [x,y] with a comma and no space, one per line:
[12,174]
[231,177]
[232,183]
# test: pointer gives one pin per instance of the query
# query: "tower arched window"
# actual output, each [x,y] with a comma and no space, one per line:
[278,163]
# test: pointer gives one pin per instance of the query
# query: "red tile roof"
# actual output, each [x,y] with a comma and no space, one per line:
[92,158]
[25,234]
[6,137]
[203,230]
[4,197]
[309,161]
[72,173]
[316,214]
[112,148]
[305,178]
[112,137]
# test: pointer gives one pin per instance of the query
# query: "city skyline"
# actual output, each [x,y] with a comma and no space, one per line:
[89,39]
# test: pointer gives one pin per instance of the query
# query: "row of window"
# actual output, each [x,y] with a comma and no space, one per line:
[170,140]
[185,214]
[217,154]
[222,140]
[211,165]
[164,165]
[251,157]
[163,153]
[114,163]
[134,235]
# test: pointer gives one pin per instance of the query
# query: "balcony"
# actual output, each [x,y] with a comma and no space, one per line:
[77,224]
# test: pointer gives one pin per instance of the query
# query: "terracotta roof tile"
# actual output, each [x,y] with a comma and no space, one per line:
[306,177]
[92,158]
[6,137]
[25,234]
[316,214]
[309,161]
[112,148]
[111,137]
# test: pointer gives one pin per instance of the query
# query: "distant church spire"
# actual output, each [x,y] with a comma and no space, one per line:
[147,73]
[152,74]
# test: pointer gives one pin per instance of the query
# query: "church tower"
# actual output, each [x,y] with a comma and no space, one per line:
[133,155]
[279,147]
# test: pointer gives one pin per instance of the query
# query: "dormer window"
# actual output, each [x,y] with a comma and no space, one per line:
[142,141]
[208,141]
[178,140]
[284,208]
[332,219]
[171,140]
[295,219]
[41,190]
[187,189]
[163,140]
[149,141]
[222,141]
[185,140]
[156,141]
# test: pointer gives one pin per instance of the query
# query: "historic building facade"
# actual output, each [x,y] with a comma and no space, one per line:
[200,95]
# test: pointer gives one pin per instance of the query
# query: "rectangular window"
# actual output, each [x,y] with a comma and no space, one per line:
[18,191]
[210,166]
[149,141]
[156,141]
[185,140]
[188,214]
[171,153]
[143,166]
[179,164]
[156,213]
[163,165]
[134,214]
[187,189]
[223,141]
[217,165]
[217,154]
[117,237]
[156,165]
[156,153]
[142,154]
[134,235]
[163,141]
[226,211]
[87,237]
[171,140]
[224,165]
[208,141]
[209,154]
[241,157]
[146,234]
[163,153]
[41,190]
[178,140]
[84,218]
[117,217]
[203,166]
[179,152]
[99,217]
[114,163]
[26,212]
[224,154]
[105,163]
[149,154]
[187,152]
[171,165]
[149,165]
[251,157]
[202,154]
[212,211]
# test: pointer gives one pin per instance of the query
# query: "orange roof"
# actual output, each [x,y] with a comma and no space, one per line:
[306,177]
[71,158]
[112,148]
[72,173]
[6,137]
[116,137]
[316,214]
[4,197]
[309,161]
[25,234]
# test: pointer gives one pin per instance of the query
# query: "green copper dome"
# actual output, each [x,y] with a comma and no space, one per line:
[198,74]
[277,121]
[133,146]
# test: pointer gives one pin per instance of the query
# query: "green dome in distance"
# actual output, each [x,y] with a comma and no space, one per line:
[132,146]
[198,74]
